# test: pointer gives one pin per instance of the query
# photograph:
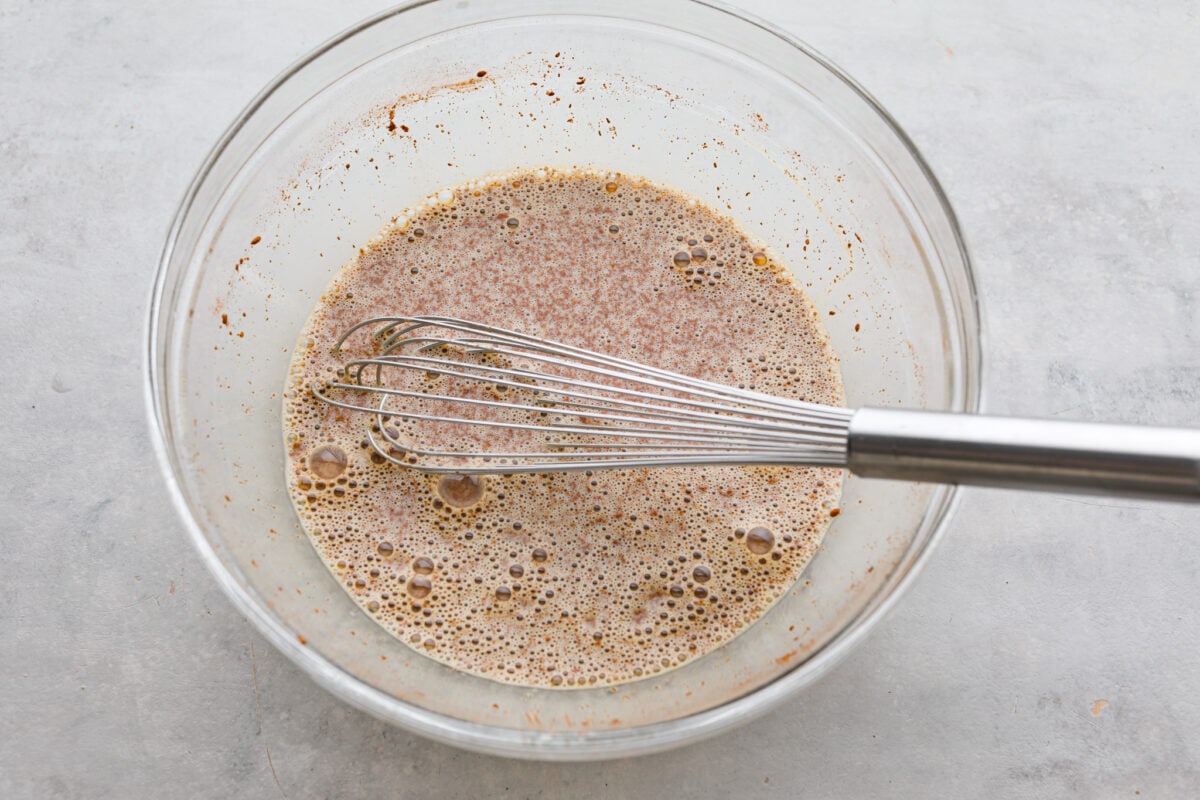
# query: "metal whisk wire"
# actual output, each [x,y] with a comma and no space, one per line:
[575,409]
[604,411]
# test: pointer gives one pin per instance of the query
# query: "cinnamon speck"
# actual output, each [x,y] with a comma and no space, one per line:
[256,240]
[481,74]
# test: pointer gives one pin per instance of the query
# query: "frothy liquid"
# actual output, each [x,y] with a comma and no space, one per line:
[574,579]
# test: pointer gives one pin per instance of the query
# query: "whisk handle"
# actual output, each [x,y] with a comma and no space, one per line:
[1052,455]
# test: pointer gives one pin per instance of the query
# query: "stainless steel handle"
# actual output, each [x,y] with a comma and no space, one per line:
[1052,455]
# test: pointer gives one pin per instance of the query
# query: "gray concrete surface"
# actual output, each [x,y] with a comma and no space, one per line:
[1049,649]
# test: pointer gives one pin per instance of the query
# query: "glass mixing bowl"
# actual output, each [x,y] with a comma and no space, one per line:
[692,94]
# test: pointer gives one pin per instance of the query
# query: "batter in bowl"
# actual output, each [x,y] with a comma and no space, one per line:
[575,579]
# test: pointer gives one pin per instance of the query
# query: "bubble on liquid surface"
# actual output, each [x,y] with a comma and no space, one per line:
[327,461]
[759,540]
[460,491]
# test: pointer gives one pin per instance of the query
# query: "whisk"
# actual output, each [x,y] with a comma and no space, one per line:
[515,403]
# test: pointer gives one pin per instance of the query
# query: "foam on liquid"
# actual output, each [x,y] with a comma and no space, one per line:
[568,579]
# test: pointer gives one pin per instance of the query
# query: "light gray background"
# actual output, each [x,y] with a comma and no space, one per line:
[1066,137]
